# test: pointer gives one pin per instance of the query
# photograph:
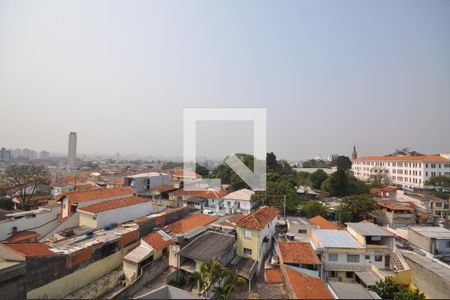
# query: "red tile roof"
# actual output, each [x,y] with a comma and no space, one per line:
[259,218]
[113,204]
[89,195]
[207,194]
[297,253]
[22,236]
[423,158]
[31,249]
[323,223]
[162,188]
[394,206]
[306,287]
[191,222]
[273,275]
[157,241]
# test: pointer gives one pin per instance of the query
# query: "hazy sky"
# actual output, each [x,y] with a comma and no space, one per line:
[331,74]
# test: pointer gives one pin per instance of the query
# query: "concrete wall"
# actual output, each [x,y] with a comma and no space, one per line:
[72,221]
[434,286]
[63,286]
[419,240]
[87,220]
[148,273]
[42,223]
[12,281]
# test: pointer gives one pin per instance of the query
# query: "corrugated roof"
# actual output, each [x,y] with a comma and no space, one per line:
[139,254]
[369,229]
[345,290]
[336,239]
[190,223]
[432,232]
[208,246]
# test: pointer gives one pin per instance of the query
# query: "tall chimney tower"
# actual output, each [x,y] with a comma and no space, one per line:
[72,154]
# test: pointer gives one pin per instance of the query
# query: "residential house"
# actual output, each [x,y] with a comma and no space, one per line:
[115,211]
[77,199]
[299,256]
[341,254]
[302,286]
[434,240]
[440,208]
[41,221]
[181,176]
[214,196]
[384,192]
[143,183]
[54,270]
[394,214]
[152,247]
[228,224]
[239,202]
[322,223]
[210,245]
[255,233]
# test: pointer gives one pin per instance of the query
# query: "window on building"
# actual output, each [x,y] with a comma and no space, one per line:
[247,251]
[349,274]
[332,274]
[367,257]
[332,256]
[302,231]
[378,257]
[247,234]
[448,244]
[352,258]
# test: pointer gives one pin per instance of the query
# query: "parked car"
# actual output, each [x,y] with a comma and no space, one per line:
[208,212]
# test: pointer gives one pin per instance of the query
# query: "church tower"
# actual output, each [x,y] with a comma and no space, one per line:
[354,153]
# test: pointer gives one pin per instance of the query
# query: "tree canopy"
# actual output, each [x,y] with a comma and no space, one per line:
[25,179]
[389,289]
[341,162]
[316,178]
[439,182]
[341,184]
[356,208]
[314,208]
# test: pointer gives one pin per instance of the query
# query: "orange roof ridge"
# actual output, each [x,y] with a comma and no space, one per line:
[113,204]
[259,218]
[323,223]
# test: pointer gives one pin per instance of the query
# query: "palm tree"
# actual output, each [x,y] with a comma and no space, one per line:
[214,276]
[231,281]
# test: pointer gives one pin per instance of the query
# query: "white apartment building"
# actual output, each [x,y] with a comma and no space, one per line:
[406,171]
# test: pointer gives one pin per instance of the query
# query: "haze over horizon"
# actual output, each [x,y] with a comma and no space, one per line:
[331,75]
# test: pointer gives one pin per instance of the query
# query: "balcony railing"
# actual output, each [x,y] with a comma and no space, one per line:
[346,267]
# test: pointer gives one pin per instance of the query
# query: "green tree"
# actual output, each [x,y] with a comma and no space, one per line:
[303,179]
[25,179]
[271,161]
[389,289]
[317,178]
[341,162]
[168,165]
[314,208]
[341,184]
[409,294]
[6,203]
[213,277]
[356,208]
[230,281]
[438,182]
[201,170]
[386,288]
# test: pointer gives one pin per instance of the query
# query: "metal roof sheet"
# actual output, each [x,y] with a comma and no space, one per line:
[369,229]
[331,238]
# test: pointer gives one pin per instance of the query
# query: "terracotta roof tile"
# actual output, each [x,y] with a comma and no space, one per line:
[392,206]
[423,158]
[157,241]
[89,195]
[259,218]
[323,223]
[273,275]
[113,204]
[191,222]
[306,287]
[207,194]
[298,253]
[22,236]
[31,249]
[162,188]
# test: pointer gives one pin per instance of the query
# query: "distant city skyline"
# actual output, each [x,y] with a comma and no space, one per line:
[375,74]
